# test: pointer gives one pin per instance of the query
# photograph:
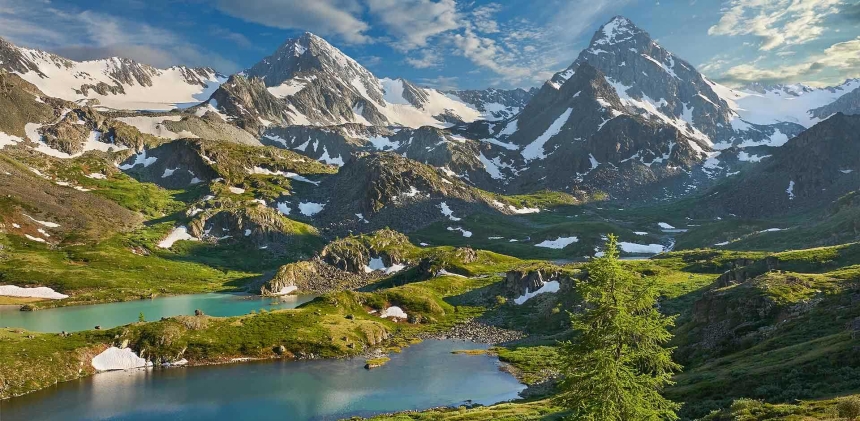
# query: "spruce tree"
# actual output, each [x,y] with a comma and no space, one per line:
[618,364]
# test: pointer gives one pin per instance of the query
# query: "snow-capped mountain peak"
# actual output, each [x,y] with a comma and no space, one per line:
[114,82]
[308,73]
[616,31]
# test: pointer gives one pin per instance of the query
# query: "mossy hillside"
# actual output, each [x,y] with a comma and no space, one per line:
[787,333]
[542,410]
[232,160]
[145,198]
[756,410]
[227,221]
[814,260]
[532,364]
[79,216]
[544,199]
[31,361]
[350,253]
[115,269]
[19,105]
[518,236]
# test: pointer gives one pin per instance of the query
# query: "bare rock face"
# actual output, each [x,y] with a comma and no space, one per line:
[177,164]
[848,104]
[251,105]
[497,104]
[354,253]
[67,135]
[391,191]
[261,226]
[316,276]
[519,282]
[818,166]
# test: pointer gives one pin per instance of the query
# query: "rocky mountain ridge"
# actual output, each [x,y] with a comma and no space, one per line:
[115,82]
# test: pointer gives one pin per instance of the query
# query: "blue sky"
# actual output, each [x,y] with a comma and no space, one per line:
[453,43]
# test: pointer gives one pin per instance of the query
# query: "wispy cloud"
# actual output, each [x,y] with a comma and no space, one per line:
[90,35]
[412,22]
[836,63]
[776,22]
[341,18]
[427,59]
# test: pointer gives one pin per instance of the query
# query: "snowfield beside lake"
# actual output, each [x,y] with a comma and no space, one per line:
[115,358]
[37,292]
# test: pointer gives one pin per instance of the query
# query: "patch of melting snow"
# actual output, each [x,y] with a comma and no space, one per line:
[36,239]
[330,160]
[558,243]
[310,208]
[790,190]
[139,159]
[375,263]
[394,312]
[247,232]
[495,238]
[178,234]
[551,286]
[43,223]
[412,192]
[535,150]
[287,174]
[665,226]
[769,230]
[448,212]
[7,139]
[641,248]
[640,232]
[286,290]
[115,358]
[37,292]
[283,208]
[443,272]
[724,243]
[236,190]
[466,234]
[97,176]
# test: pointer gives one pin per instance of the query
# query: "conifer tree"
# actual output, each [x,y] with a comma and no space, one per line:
[617,366]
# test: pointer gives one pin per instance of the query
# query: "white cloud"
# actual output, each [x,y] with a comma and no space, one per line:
[324,17]
[89,35]
[776,22]
[482,18]
[412,22]
[427,59]
[832,66]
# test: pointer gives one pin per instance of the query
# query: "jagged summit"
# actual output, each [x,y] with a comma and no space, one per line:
[309,54]
[619,29]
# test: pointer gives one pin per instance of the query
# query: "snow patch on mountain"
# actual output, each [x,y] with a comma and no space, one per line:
[535,150]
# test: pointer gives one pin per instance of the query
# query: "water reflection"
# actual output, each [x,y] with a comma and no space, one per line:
[423,376]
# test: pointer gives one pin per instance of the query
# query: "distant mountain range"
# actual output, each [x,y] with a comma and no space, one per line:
[627,117]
